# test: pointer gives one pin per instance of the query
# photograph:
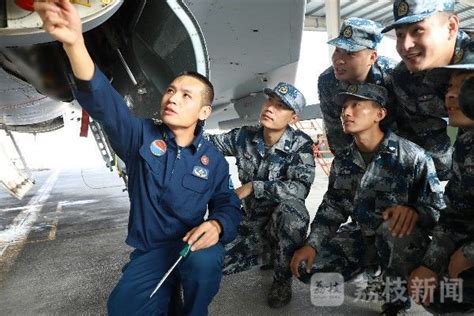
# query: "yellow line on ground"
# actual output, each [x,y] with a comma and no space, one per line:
[54,225]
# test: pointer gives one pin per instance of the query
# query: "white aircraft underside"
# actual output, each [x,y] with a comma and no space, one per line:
[243,46]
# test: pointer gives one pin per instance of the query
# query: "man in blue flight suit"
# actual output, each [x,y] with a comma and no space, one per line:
[175,175]
[276,168]
[451,251]
[354,60]
[428,37]
[387,185]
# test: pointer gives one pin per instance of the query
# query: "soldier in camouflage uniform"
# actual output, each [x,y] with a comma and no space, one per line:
[386,184]
[451,250]
[428,36]
[354,60]
[276,168]
[466,95]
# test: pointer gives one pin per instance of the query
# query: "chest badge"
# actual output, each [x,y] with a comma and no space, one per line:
[204,160]
[201,172]
[158,147]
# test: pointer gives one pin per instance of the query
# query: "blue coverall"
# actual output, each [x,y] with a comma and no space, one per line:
[170,190]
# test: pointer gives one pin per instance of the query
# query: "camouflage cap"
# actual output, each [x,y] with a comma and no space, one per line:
[412,11]
[366,91]
[357,34]
[291,96]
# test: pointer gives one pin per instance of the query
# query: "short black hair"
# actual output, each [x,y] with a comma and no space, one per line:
[209,88]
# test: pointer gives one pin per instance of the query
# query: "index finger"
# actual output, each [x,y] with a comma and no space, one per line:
[45,6]
[404,223]
[203,242]
[196,235]
[393,221]
[294,266]
[413,221]
[387,213]
[188,234]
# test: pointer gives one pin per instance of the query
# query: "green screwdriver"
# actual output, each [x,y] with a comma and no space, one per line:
[182,254]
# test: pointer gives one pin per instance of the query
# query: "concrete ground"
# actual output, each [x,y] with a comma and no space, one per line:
[62,248]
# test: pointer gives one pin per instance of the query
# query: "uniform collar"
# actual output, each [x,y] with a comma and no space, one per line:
[388,146]
[375,74]
[197,142]
[283,144]
[353,154]
[194,146]
[461,39]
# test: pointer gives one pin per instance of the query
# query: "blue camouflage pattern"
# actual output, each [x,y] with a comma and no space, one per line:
[268,236]
[276,219]
[456,224]
[357,34]
[421,114]
[366,91]
[400,174]
[329,86]
[412,11]
[283,172]
[346,253]
[291,96]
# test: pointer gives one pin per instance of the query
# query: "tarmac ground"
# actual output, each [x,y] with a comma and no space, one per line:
[62,249]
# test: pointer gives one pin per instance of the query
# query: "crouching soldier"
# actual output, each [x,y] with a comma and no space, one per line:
[451,252]
[276,168]
[387,185]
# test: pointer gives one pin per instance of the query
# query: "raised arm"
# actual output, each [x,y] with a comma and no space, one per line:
[62,21]
[94,92]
